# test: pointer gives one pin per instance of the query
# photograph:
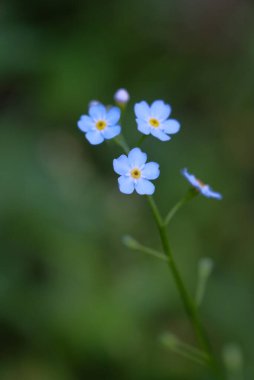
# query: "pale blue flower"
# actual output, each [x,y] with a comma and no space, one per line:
[100,124]
[135,173]
[154,120]
[200,186]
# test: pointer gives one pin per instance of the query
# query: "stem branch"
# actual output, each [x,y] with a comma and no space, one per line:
[189,305]
[188,197]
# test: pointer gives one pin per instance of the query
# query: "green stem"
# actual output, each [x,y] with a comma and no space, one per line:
[189,305]
[136,246]
[188,197]
[188,355]
[120,140]
[152,252]
[141,140]
[174,210]
[205,267]
[184,349]
[201,287]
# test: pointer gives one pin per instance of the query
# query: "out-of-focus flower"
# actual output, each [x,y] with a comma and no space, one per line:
[122,96]
[203,188]
[100,124]
[135,173]
[93,103]
[154,120]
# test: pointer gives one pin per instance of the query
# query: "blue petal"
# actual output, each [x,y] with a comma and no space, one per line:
[113,115]
[137,157]
[94,137]
[151,170]
[85,123]
[111,132]
[142,110]
[143,127]
[191,178]
[126,185]
[121,165]
[143,186]
[93,103]
[171,126]
[160,110]
[204,189]
[209,193]
[159,134]
[97,112]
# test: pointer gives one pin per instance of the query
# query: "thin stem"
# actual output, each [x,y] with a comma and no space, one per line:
[188,355]
[141,140]
[136,246]
[193,351]
[184,349]
[155,211]
[205,267]
[188,197]
[189,305]
[152,252]
[120,140]
[201,287]
[174,210]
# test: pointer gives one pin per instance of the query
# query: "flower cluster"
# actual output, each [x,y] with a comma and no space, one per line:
[102,123]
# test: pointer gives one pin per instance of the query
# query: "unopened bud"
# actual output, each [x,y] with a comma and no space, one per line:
[169,340]
[130,242]
[122,96]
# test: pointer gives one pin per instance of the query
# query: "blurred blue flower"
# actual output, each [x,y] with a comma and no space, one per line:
[93,103]
[100,124]
[154,120]
[135,173]
[200,186]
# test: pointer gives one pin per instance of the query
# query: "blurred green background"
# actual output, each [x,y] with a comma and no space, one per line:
[74,302]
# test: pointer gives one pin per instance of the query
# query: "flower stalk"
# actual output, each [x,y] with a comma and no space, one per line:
[188,303]
[192,193]
[120,141]
[136,246]
[205,267]
[184,349]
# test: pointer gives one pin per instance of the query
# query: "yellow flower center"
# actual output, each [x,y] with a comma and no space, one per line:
[154,122]
[202,184]
[136,173]
[101,124]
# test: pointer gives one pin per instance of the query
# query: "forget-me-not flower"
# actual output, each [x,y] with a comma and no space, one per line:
[154,120]
[100,124]
[135,173]
[200,186]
